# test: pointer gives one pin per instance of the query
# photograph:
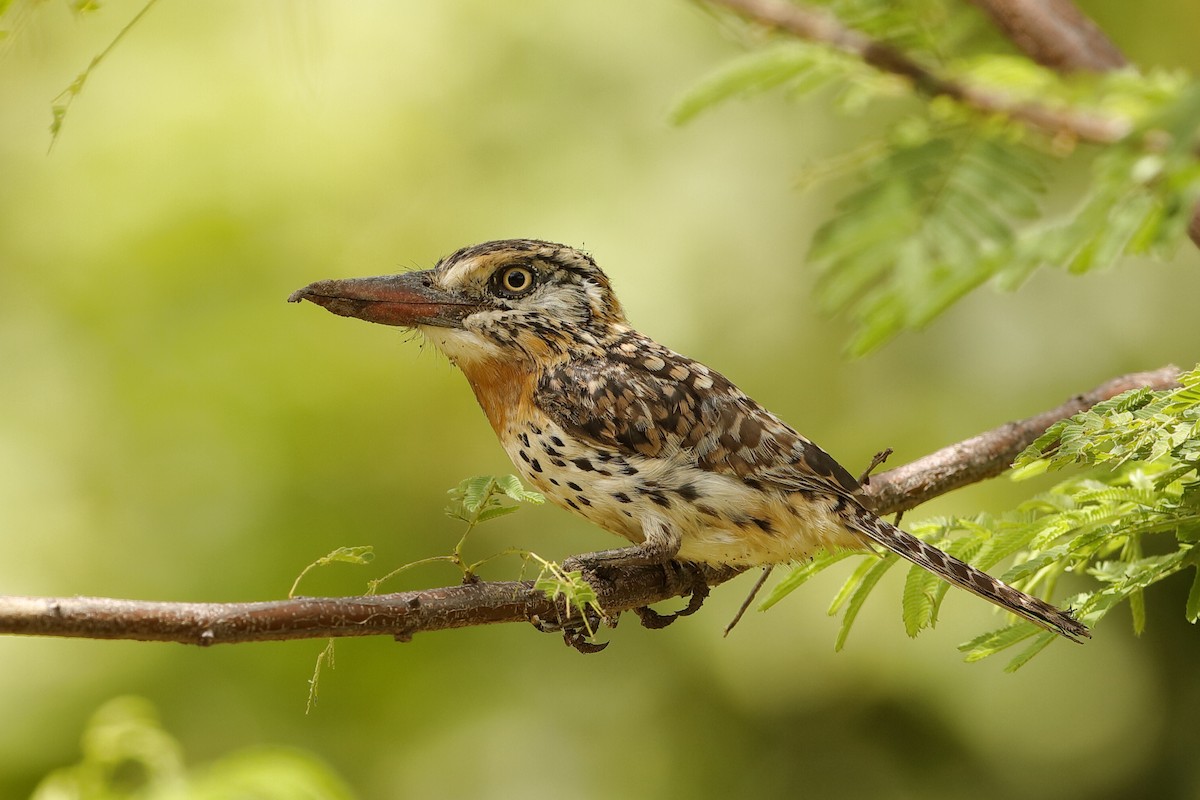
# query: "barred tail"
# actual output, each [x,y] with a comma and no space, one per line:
[965,576]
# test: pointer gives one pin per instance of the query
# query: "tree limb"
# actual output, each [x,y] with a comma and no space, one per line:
[1057,34]
[989,454]
[819,25]
[404,614]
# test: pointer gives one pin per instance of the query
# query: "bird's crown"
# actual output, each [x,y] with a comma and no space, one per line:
[531,278]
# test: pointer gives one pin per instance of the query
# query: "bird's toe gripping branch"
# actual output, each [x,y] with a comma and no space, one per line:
[692,577]
[603,574]
[578,630]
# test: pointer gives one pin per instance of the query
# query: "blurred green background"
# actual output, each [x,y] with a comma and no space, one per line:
[171,429]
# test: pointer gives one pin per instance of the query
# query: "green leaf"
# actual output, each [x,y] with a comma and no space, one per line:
[360,554]
[955,198]
[1192,611]
[325,657]
[1124,579]
[495,511]
[476,492]
[749,74]
[850,585]
[918,600]
[1044,639]
[479,499]
[1137,607]
[993,642]
[514,490]
[800,574]
[864,586]
[932,220]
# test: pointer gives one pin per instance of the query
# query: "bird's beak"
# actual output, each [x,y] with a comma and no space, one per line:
[409,299]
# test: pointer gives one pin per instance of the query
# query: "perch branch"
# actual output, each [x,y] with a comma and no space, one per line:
[404,614]
[989,454]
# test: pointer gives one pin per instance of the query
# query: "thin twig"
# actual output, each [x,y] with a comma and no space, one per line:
[62,103]
[821,26]
[406,613]
[989,454]
[745,606]
[1057,34]
[879,458]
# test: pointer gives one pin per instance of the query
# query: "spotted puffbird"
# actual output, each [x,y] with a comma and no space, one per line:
[632,436]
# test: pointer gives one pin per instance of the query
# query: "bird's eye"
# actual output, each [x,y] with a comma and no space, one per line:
[514,281]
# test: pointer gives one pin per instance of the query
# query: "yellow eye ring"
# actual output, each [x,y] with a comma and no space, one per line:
[515,280]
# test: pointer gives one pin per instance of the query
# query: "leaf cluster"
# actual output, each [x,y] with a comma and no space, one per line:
[474,501]
[126,753]
[1131,522]
[484,497]
[947,198]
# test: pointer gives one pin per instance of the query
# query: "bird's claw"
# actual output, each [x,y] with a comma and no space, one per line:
[581,641]
[577,631]
[653,620]
[694,577]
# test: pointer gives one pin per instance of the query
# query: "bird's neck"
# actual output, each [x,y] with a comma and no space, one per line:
[504,389]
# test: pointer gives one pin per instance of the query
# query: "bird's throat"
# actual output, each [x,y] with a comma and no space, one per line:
[504,389]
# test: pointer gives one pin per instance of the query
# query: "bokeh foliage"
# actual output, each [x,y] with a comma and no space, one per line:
[127,754]
[172,430]
[948,198]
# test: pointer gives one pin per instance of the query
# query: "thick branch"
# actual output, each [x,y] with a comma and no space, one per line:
[400,615]
[403,614]
[818,25]
[1054,33]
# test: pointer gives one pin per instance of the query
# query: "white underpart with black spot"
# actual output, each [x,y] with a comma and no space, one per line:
[720,520]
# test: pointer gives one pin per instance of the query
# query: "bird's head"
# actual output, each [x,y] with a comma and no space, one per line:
[509,299]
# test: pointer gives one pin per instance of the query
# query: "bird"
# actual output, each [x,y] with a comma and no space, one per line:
[632,436]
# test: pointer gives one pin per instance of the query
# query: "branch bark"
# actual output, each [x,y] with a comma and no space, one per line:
[1057,34]
[1054,33]
[818,25]
[989,454]
[404,614]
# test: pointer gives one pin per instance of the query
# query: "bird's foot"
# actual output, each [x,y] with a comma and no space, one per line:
[594,566]
[578,628]
[692,575]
